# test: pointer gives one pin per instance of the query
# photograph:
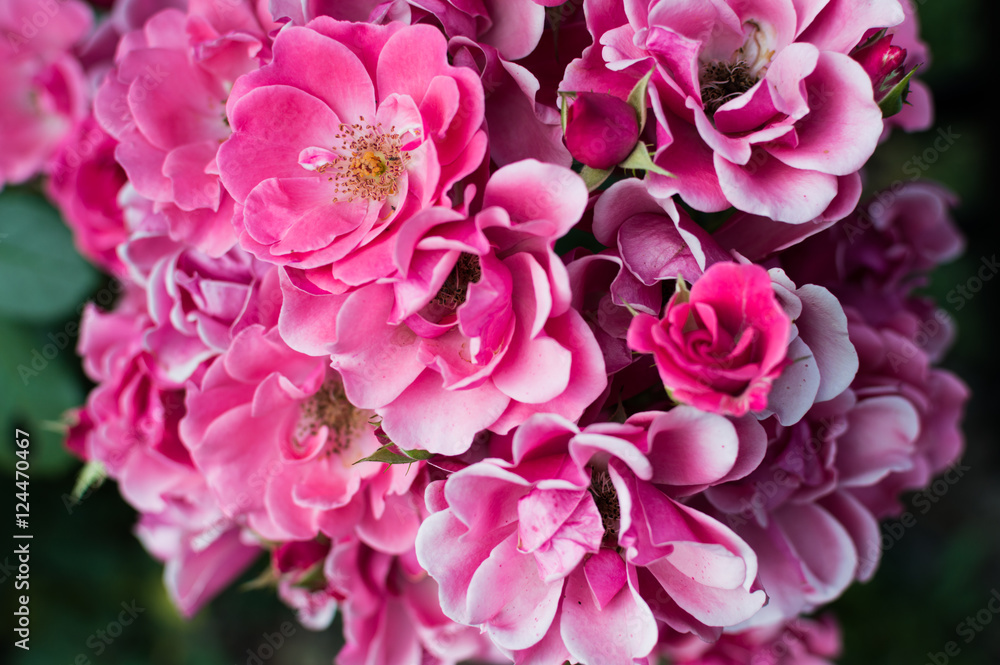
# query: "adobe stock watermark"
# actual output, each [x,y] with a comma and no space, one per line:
[34,24]
[967,629]
[100,640]
[958,297]
[914,167]
[922,502]
[59,341]
[269,645]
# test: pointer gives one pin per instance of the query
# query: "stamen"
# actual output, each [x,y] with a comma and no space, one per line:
[606,498]
[330,407]
[367,163]
[722,81]
[453,292]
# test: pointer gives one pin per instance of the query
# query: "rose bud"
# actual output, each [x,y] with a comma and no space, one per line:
[601,129]
[882,61]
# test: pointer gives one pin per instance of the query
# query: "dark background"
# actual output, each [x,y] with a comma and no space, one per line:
[85,562]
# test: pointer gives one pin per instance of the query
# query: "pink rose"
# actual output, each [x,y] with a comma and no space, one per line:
[84,186]
[471,326]
[757,104]
[341,139]
[720,345]
[42,88]
[580,530]
[164,102]
[293,475]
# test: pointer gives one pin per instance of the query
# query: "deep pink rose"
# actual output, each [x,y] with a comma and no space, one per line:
[720,346]
[341,139]
[197,303]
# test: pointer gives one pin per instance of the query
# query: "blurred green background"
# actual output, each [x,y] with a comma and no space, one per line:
[85,562]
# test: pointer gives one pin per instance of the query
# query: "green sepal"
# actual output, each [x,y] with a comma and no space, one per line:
[92,475]
[637,100]
[268,579]
[894,99]
[313,579]
[594,178]
[564,98]
[641,160]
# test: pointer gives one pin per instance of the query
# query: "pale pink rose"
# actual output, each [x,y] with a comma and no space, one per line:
[579,531]
[43,94]
[84,185]
[822,360]
[757,105]
[472,329]
[656,240]
[293,475]
[513,27]
[341,139]
[164,102]
[720,346]
[799,641]
[203,551]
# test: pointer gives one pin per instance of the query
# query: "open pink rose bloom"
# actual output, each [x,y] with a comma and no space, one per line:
[486,338]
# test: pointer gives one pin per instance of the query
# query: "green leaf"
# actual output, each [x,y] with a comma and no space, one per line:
[637,99]
[893,101]
[594,178]
[45,277]
[418,454]
[388,454]
[640,160]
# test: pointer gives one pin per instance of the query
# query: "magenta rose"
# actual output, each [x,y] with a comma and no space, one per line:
[722,344]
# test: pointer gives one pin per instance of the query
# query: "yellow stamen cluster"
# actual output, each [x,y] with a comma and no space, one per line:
[372,163]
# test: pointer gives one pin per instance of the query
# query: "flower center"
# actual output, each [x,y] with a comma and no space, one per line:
[453,292]
[366,164]
[722,81]
[606,499]
[330,407]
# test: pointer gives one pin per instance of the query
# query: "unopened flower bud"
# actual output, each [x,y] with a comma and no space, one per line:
[601,129]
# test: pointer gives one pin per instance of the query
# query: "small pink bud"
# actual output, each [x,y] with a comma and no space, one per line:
[601,130]
[883,62]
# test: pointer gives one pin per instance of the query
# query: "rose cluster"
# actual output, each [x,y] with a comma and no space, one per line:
[428,303]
